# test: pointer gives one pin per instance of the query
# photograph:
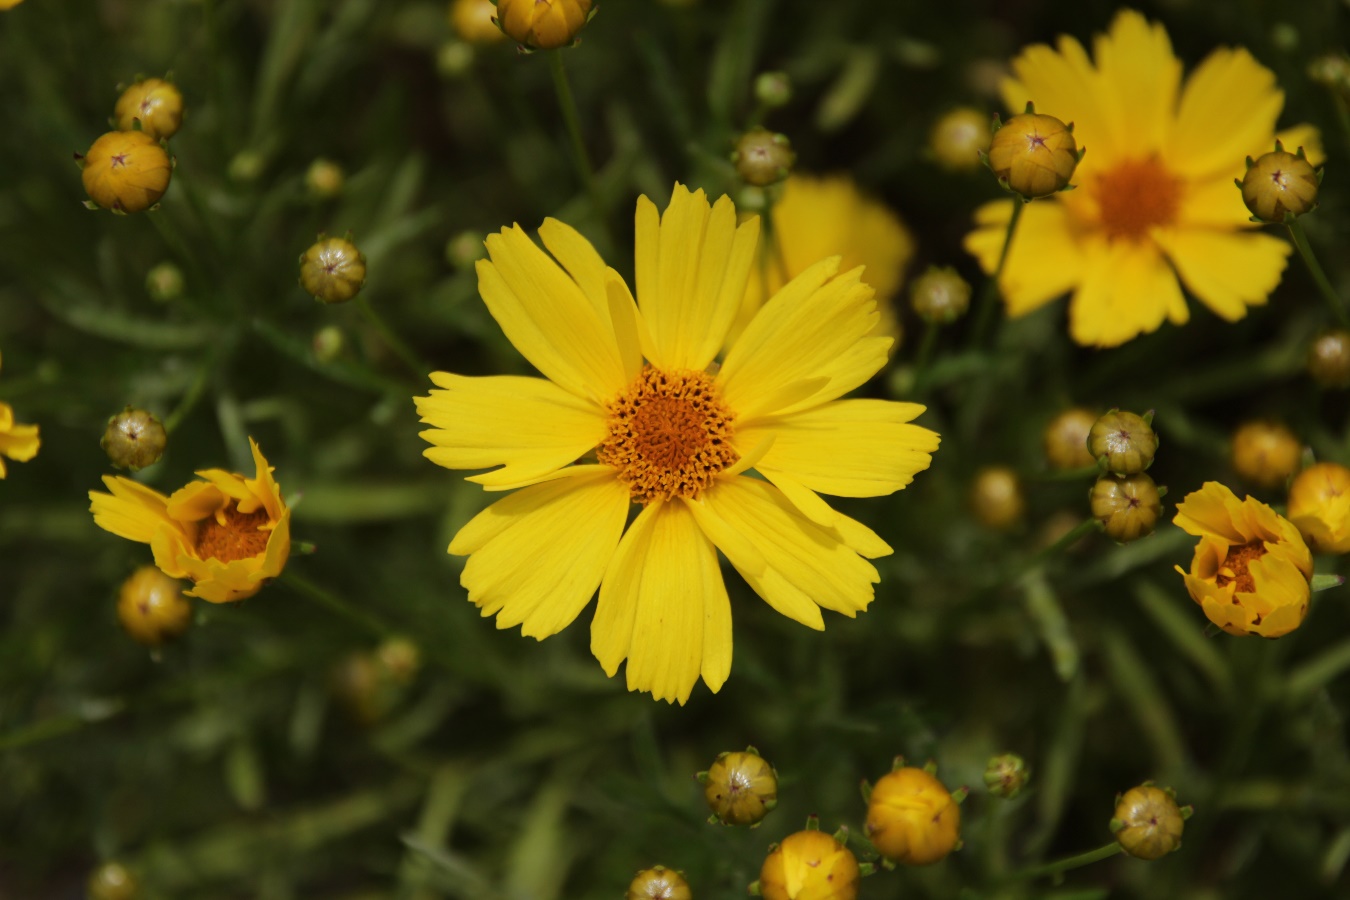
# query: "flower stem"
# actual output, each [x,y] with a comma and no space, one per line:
[1084,528]
[401,350]
[1300,239]
[306,588]
[1069,862]
[925,355]
[191,396]
[989,292]
[580,158]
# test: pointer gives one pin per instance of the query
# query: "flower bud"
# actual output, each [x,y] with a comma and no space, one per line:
[1265,453]
[1033,155]
[659,883]
[1331,71]
[455,58]
[1006,775]
[1128,506]
[164,283]
[1148,823]
[543,24]
[773,89]
[740,788]
[126,171]
[134,439]
[1319,506]
[113,881]
[363,686]
[155,103]
[474,22]
[328,343]
[1065,439]
[324,179]
[958,138]
[940,296]
[332,270]
[763,158]
[152,608]
[1329,359]
[464,249]
[912,818]
[246,166]
[401,659]
[809,865]
[1279,184]
[1122,442]
[996,498]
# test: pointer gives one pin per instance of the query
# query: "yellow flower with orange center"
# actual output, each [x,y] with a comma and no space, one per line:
[1319,506]
[636,385]
[19,442]
[228,534]
[1155,208]
[1251,569]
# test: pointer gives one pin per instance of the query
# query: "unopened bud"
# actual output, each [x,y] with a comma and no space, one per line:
[763,158]
[1280,185]
[155,103]
[1123,442]
[1006,775]
[1065,439]
[1329,359]
[659,883]
[773,89]
[1033,155]
[1266,453]
[740,788]
[1148,823]
[1128,506]
[958,138]
[324,179]
[940,295]
[151,607]
[113,881]
[996,498]
[332,270]
[164,283]
[134,439]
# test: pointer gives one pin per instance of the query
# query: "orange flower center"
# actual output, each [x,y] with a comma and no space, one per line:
[1135,196]
[1237,561]
[669,435]
[231,535]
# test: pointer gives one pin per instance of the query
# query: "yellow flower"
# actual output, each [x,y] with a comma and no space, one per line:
[810,865]
[673,437]
[543,24]
[126,171]
[912,818]
[473,21]
[1155,207]
[228,534]
[157,104]
[1319,506]
[1251,569]
[829,216]
[19,442]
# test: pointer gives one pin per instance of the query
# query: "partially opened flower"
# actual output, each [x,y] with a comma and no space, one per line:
[228,534]
[674,435]
[1155,207]
[17,441]
[1251,569]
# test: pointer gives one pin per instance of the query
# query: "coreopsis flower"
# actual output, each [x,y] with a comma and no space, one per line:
[332,270]
[1319,506]
[18,442]
[473,21]
[674,435]
[155,103]
[1148,823]
[912,818]
[818,217]
[151,607]
[1251,570]
[228,534]
[1155,207]
[740,788]
[810,865]
[543,24]
[126,171]
[659,883]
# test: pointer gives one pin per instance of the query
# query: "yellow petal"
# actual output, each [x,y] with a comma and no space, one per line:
[1127,290]
[1139,74]
[1214,203]
[536,556]
[528,426]
[132,511]
[1228,111]
[1303,135]
[1208,512]
[1226,271]
[1045,260]
[195,501]
[578,257]
[1063,83]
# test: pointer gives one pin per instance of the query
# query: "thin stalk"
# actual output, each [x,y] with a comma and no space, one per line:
[988,301]
[326,598]
[1083,529]
[191,396]
[401,350]
[925,355]
[1069,862]
[580,158]
[1300,239]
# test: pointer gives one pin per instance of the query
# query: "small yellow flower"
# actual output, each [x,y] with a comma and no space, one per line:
[543,24]
[332,270]
[810,865]
[912,818]
[659,883]
[473,22]
[1251,569]
[958,137]
[126,171]
[740,788]
[1148,823]
[996,497]
[228,534]
[1266,453]
[156,103]
[1279,184]
[1128,506]
[1319,506]
[1034,155]
[1329,359]
[19,442]
[151,607]
[1065,439]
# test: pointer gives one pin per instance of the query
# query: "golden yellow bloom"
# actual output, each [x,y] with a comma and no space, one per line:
[228,534]
[543,24]
[810,865]
[1148,823]
[474,21]
[19,442]
[332,270]
[156,103]
[820,217]
[958,137]
[912,818]
[1279,184]
[1266,453]
[673,434]
[126,171]
[1319,506]
[659,883]
[151,607]
[1155,207]
[1034,155]
[740,788]
[1251,569]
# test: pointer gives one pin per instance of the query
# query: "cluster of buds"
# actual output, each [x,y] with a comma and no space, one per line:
[128,170]
[1124,498]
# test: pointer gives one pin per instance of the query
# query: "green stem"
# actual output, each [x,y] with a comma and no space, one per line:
[306,588]
[1084,528]
[1069,862]
[401,350]
[1300,239]
[988,301]
[191,396]
[580,158]
[1078,474]
[925,355]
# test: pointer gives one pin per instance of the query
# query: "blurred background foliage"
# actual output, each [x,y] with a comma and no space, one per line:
[229,764]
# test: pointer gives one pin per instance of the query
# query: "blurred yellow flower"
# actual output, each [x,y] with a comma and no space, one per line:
[1156,208]
[1251,569]
[228,534]
[19,442]
[1319,506]
[830,216]
[672,436]
[475,21]
[810,865]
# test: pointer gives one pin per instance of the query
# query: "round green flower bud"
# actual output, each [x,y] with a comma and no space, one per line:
[151,607]
[659,883]
[332,270]
[134,439]
[1279,184]
[763,158]
[1033,155]
[164,283]
[1329,359]
[113,881]
[940,296]
[324,179]
[1148,823]
[1128,506]
[773,89]
[465,249]
[1006,775]
[1122,442]
[740,788]
[996,498]
[328,343]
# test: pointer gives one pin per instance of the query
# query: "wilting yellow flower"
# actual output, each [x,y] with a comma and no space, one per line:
[912,818]
[830,216]
[1319,506]
[674,435]
[1155,207]
[1251,569]
[228,534]
[473,21]
[810,865]
[19,442]
[543,24]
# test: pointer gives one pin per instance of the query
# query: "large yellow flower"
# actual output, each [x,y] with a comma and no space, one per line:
[1155,207]
[674,434]
[228,534]
[18,442]
[830,216]
[1251,570]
